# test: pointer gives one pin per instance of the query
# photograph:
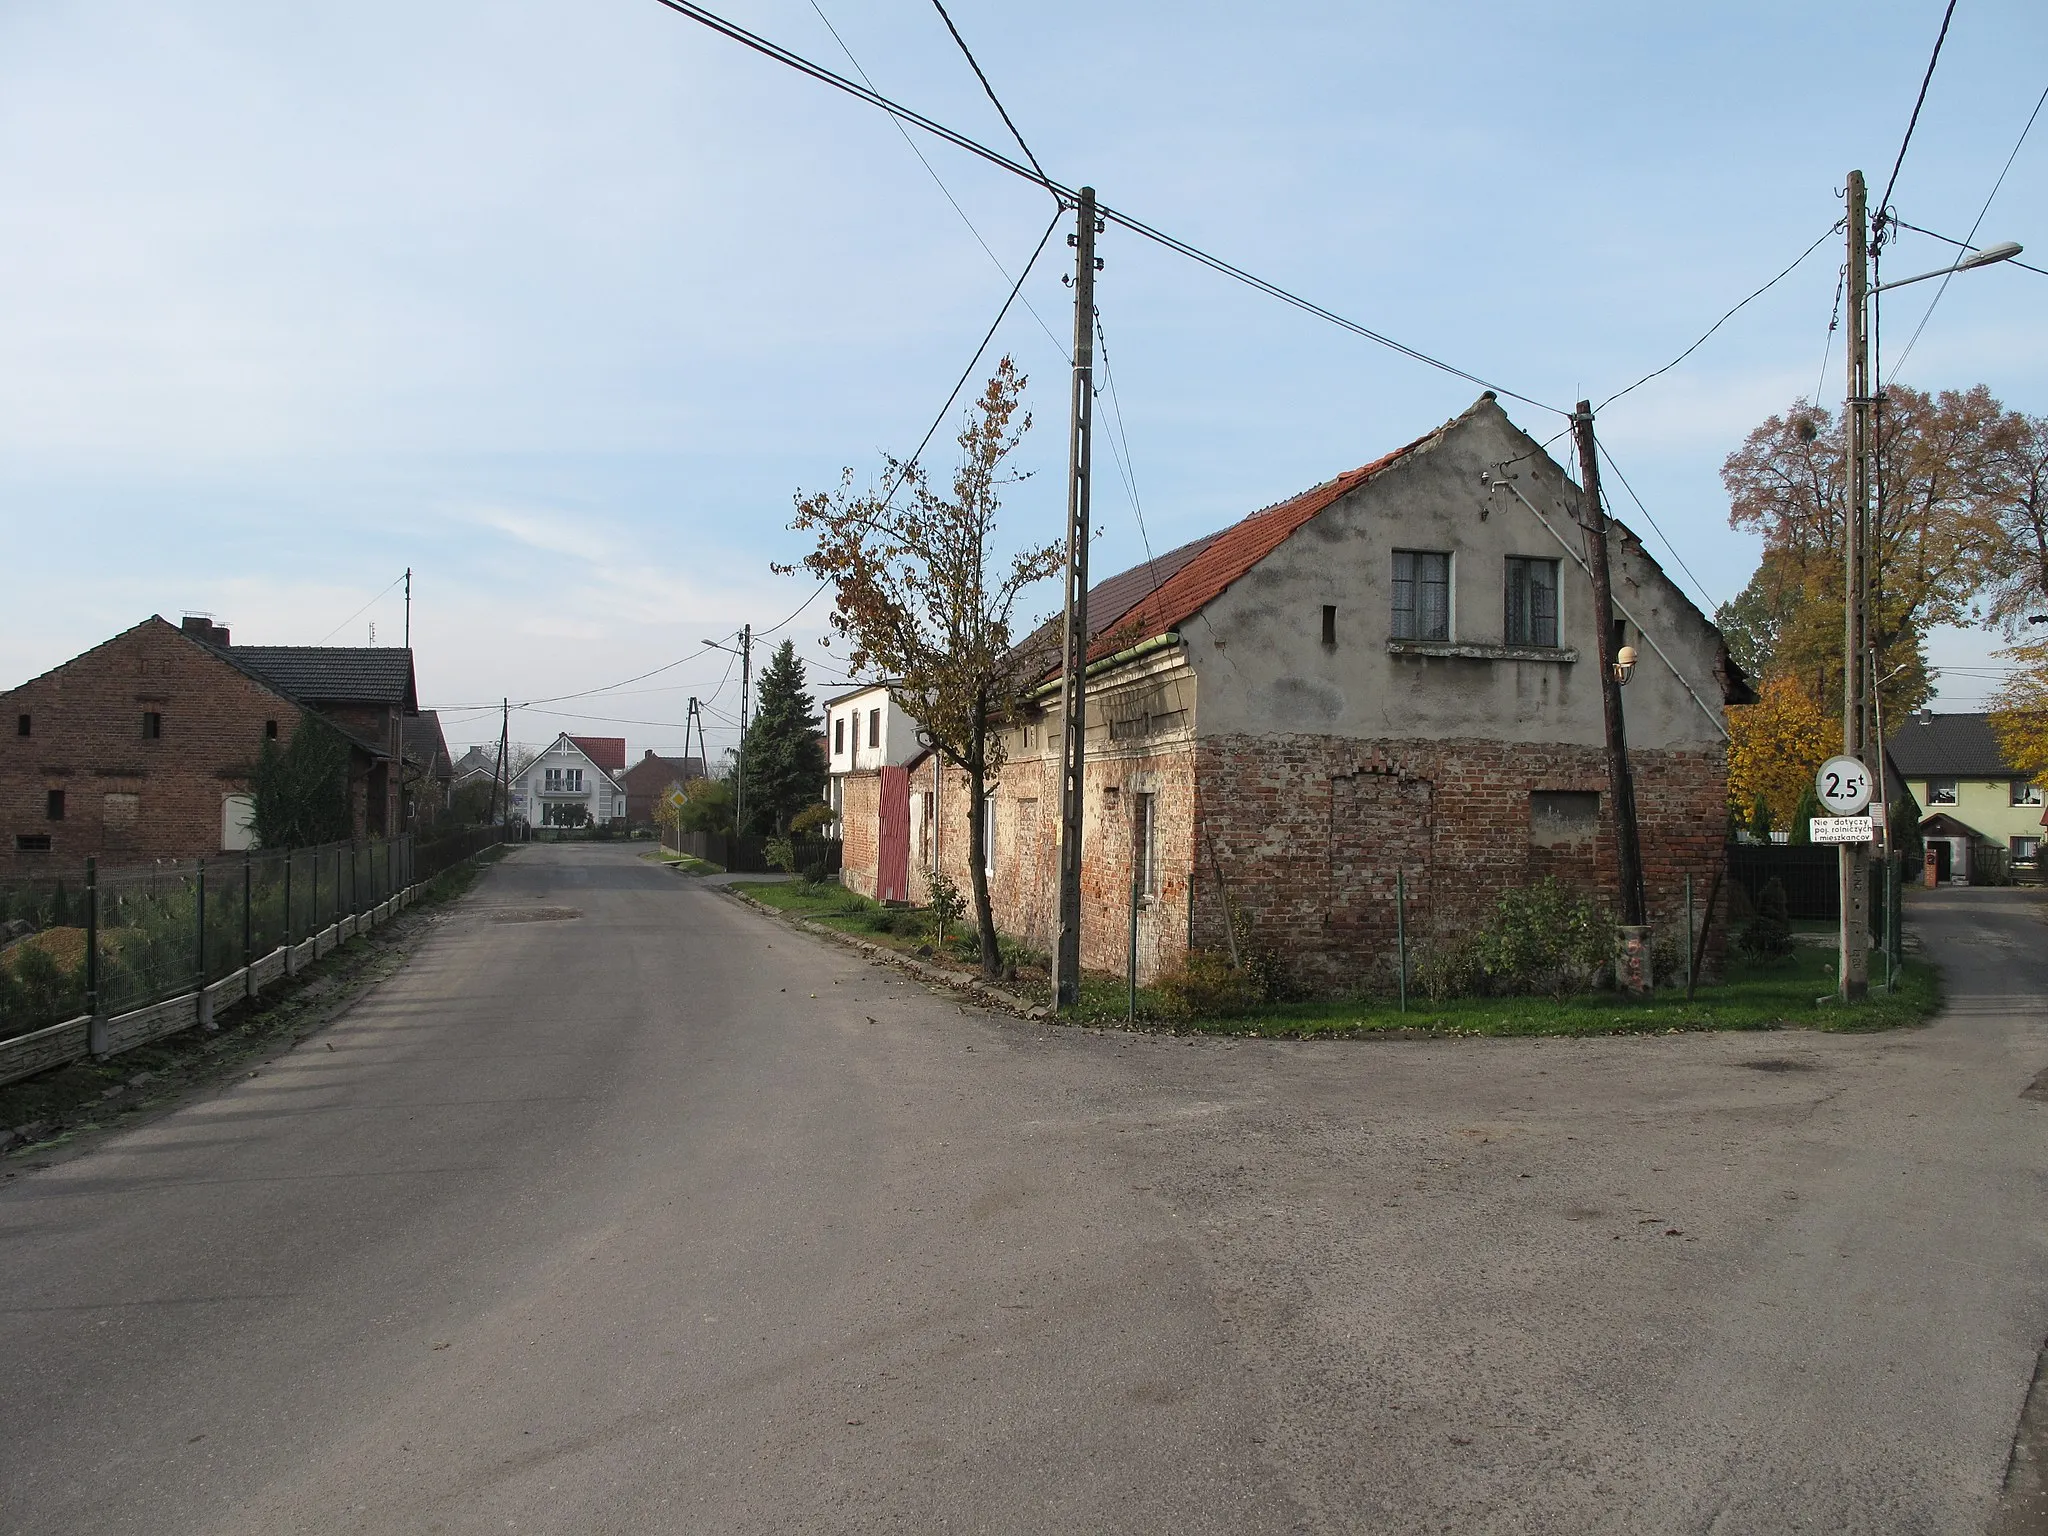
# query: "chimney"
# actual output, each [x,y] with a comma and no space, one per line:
[200,626]
[1926,716]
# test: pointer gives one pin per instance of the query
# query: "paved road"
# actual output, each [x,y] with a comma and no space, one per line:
[594,1220]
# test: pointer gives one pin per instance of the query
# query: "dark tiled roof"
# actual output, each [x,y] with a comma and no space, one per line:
[332,674]
[1949,746]
[607,752]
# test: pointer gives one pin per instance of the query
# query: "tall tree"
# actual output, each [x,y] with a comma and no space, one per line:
[2019,586]
[2019,712]
[928,603]
[301,789]
[1774,746]
[785,764]
[1943,476]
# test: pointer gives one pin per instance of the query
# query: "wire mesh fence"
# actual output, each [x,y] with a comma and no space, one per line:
[107,941]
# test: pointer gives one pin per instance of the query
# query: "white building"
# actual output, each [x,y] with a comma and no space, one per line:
[865,730]
[575,773]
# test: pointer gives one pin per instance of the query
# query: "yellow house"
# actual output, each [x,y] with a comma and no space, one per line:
[1973,801]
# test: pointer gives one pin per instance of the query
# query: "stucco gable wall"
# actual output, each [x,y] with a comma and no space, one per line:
[1258,651]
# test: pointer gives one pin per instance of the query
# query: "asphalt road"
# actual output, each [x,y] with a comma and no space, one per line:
[595,1219]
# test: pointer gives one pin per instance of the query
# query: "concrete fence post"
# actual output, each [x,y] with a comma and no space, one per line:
[289,968]
[199,908]
[248,921]
[96,1015]
[1401,933]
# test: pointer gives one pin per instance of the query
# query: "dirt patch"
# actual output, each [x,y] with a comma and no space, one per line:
[534,915]
[1778,1064]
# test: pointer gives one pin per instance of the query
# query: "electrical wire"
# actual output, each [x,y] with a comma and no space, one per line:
[1759,293]
[2010,261]
[874,98]
[1972,235]
[1126,464]
[1698,585]
[1918,102]
[1001,111]
[344,624]
[1834,319]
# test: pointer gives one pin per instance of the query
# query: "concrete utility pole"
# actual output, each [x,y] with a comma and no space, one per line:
[1621,792]
[408,607]
[1853,948]
[1073,701]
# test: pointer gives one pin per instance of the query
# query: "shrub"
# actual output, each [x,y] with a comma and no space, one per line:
[945,904]
[1204,984]
[1446,965]
[1768,935]
[1544,938]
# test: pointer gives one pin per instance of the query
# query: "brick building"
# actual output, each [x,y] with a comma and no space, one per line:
[144,747]
[651,778]
[1393,672]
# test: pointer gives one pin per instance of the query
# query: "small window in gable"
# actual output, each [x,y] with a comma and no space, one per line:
[270,730]
[53,805]
[152,725]
[1329,623]
[22,725]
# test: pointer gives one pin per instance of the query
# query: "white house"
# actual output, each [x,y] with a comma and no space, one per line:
[574,774]
[865,730]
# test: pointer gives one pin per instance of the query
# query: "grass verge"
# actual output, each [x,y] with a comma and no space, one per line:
[87,1095]
[1782,994]
[688,863]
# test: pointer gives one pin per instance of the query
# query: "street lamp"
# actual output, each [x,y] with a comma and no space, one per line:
[1991,255]
[1624,664]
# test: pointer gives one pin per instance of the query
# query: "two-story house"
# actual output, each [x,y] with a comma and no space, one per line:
[868,739]
[1393,673]
[576,781]
[1971,798]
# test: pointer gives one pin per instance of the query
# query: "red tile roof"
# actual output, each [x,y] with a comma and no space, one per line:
[608,752]
[1216,562]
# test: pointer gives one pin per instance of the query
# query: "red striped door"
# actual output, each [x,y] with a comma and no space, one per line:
[892,838]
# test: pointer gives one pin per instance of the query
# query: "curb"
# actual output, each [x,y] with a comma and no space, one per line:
[952,981]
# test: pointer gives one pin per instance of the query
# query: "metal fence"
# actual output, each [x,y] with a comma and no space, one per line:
[123,955]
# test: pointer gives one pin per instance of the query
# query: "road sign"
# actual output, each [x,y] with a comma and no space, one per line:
[1843,785]
[1842,829]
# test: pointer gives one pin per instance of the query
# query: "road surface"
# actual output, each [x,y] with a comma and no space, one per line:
[625,1209]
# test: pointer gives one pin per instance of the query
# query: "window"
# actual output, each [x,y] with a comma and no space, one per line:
[874,727]
[31,842]
[1422,595]
[2024,792]
[1329,623]
[1941,791]
[53,805]
[1145,846]
[1564,818]
[1620,634]
[270,730]
[562,781]
[1531,602]
[2026,848]
[988,834]
[152,725]
[21,725]
[839,736]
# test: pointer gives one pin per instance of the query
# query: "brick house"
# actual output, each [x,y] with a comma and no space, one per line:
[144,746]
[651,778]
[1391,672]
[867,740]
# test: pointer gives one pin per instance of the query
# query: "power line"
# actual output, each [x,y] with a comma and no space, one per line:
[1000,109]
[344,624]
[1126,463]
[1698,585]
[1963,245]
[1759,293]
[1972,235]
[1136,226]
[1918,102]
[1834,319]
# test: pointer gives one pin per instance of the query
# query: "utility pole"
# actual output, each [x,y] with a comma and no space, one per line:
[408,607]
[503,778]
[1852,968]
[1621,791]
[739,811]
[1073,702]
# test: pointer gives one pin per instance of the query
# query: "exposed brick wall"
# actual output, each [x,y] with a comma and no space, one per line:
[1308,833]
[87,741]
[860,828]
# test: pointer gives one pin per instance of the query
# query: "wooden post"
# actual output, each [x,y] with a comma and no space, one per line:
[248,921]
[96,1018]
[199,906]
[1688,936]
[1401,933]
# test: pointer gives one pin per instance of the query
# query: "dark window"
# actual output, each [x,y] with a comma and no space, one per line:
[1620,635]
[1941,791]
[21,725]
[1531,602]
[32,842]
[1563,818]
[874,727]
[2024,792]
[152,725]
[1422,595]
[1329,623]
[839,736]
[53,806]
[270,730]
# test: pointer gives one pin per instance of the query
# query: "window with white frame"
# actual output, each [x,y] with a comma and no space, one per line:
[2024,792]
[1145,842]
[839,736]
[1422,595]
[562,781]
[1941,791]
[2026,849]
[988,834]
[874,727]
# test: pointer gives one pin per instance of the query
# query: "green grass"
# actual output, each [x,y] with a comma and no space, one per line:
[689,864]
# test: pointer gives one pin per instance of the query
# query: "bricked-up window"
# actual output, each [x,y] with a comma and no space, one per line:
[31,842]
[1329,623]
[1422,595]
[152,725]
[1531,602]
[839,736]
[22,725]
[53,805]
[1145,847]
[874,727]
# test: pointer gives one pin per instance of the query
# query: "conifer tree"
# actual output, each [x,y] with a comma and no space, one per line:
[785,763]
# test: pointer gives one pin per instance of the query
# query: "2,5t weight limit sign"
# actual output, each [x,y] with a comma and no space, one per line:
[1843,785]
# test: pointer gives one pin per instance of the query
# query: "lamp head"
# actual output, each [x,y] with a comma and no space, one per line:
[1624,663]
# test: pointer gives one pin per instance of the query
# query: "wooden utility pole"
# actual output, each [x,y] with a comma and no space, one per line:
[1073,701]
[408,607]
[1852,968]
[1621,793]
[502,781]
[739,811]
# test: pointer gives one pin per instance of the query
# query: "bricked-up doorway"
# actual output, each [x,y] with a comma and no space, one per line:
[1379,824]
[892,837]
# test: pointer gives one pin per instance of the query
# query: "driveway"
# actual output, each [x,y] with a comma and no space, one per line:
[597,1219]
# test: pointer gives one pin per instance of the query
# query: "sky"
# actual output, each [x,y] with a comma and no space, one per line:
[561,304]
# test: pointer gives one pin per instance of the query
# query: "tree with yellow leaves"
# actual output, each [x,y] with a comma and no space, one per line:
[2019,714]
[1774,746]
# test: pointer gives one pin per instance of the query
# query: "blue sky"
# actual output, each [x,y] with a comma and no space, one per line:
[559,304]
